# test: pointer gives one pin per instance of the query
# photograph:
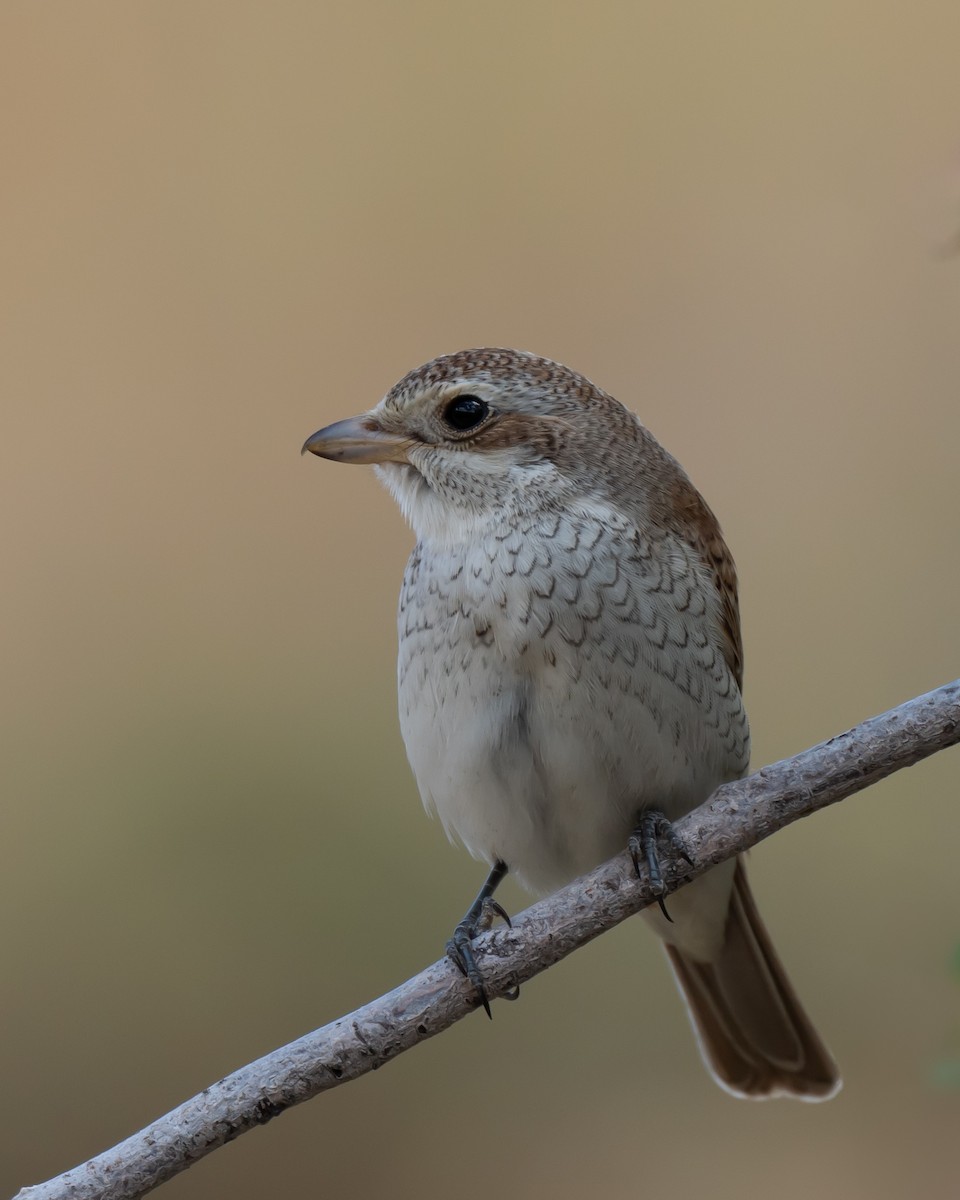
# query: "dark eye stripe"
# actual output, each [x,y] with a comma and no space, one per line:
[465,412]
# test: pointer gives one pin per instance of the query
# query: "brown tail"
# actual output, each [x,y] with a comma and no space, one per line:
[753,1034]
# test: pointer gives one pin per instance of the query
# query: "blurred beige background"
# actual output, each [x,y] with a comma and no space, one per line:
[226,224]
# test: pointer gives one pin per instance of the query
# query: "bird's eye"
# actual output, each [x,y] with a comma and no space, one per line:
[465,412]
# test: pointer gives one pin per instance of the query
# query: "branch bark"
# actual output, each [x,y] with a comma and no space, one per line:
[736,817]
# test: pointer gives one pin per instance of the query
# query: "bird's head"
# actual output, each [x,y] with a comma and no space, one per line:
[469,435]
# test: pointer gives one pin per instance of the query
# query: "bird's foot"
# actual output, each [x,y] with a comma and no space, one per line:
[460,947]
[644,844]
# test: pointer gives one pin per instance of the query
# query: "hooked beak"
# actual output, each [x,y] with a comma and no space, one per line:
[358,440]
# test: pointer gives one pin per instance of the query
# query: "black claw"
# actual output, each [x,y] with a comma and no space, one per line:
[479,918]
[634,847]
[460,950]
[643,844]
[499,910]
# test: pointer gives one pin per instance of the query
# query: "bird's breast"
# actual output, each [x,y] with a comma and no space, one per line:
[556,676]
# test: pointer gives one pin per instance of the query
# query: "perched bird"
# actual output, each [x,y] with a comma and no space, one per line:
[570,669]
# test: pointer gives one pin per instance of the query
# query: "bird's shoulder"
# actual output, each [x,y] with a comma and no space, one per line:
[678,511]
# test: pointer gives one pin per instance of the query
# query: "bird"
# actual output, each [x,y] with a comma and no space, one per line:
[570,671]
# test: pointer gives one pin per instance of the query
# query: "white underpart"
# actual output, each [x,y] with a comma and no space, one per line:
[544,698]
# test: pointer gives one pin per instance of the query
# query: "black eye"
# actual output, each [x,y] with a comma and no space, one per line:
[466,412]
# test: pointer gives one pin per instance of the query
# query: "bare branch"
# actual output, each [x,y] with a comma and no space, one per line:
[737,816]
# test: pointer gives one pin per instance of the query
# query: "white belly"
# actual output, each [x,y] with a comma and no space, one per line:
[554,682]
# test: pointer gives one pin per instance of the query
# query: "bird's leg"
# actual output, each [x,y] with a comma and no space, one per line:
[478,919]
[643,844]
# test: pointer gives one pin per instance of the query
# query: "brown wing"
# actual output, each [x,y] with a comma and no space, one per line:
[693,519]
